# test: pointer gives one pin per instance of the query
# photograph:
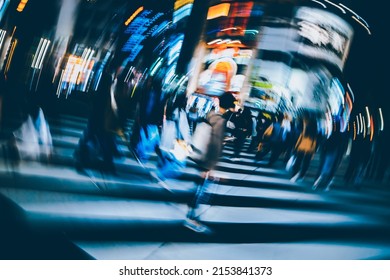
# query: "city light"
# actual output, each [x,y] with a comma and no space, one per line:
[368,116]
[220,10]
[11,54]
[337,6]
[130,19]
[320,3]
[365,27]
[2,36]
[40,53]
[21,5]
[111,76]
[382,127]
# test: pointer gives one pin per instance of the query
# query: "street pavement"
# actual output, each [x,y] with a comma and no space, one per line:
[52,211]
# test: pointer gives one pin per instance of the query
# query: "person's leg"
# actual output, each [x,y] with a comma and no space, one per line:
[297,164]
[199,193]
[107,145]
[262,150]
[324,177]
[255,140]
[305,165]
[238,143]
[82,153]
[192,221]
[275,153]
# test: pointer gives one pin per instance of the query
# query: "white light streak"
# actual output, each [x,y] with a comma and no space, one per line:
[40,53]
[365,27]
[235,42]
[337,6]
[353,12]
[368,117]
[318,2]
[358,124]
[226,41]
[37,53]
[2,36]
[382,127]
[361,122]
[351,92]
[156,66]
[214,41]
[229,28]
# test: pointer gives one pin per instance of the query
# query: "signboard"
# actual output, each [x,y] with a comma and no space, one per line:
[323,35]
[140,28]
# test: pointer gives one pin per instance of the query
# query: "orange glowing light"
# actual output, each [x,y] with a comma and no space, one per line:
[220,10]
[372,128]
[21,5]
[180,3]
[130,19]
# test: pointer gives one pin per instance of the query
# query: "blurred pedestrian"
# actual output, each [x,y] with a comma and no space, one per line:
[304,149]
[242,129]
[97,147]
[358,160]
[145,136]
[264,131]
[175,138]
[217,121]
[278,138]
[332,150]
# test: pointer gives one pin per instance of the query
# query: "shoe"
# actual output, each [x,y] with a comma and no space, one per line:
[196,226]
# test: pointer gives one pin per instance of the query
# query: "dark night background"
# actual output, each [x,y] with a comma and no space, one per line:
[367,66]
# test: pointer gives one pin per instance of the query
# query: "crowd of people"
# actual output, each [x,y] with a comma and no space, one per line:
[166,125]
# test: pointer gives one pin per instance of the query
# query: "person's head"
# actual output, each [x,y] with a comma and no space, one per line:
[227,101]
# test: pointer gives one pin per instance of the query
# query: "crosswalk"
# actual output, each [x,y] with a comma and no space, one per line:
[255,212]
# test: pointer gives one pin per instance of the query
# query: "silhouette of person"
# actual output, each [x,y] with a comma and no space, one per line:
[217,120]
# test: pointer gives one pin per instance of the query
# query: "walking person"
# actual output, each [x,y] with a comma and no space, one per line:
[304,149]
[98,139]
[264,129]
[176,118]
[278,138]
[358,160]
[217,121]
[332,151]
[175,138]
[243,128]
[145,136]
